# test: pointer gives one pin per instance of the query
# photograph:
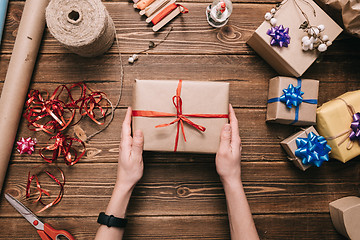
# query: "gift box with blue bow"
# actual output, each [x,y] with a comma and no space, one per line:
[306,148]
[292,101]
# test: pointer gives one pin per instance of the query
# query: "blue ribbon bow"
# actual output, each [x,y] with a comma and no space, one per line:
[312,150]
[293,97]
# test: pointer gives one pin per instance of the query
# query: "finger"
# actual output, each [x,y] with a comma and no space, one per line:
[126,126]
[225,139]
[235,137]
[126,130]
[137,145]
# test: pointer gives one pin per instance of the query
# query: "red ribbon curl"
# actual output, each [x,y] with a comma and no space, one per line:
[181,118]
[63,147]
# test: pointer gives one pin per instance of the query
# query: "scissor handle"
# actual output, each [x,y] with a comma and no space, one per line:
[50,233]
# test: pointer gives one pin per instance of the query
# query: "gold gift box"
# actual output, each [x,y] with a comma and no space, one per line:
[292,60]
[278,111]
[333,118]
[197,98]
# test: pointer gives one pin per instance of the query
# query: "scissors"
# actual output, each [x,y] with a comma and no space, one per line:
[45,231]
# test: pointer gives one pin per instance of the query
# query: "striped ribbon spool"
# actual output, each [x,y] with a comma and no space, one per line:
[82,26]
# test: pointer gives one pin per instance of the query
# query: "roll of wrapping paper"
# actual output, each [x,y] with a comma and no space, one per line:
[3,8]
[18,77]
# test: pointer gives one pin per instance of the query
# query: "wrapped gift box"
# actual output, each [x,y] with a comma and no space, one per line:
[292,60]
[345,215]
[306,149]
[334,119]
[304,113]
[156,97]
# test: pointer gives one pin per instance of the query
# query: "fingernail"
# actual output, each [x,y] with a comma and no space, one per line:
[227,127]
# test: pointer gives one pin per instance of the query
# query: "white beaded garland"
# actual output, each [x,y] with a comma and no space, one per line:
[131,60]
[273,10]
[321,27]
[328,43]
[135,57]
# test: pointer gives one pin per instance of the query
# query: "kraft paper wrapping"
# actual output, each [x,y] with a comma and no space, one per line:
[292,61]
[349,13]
[278,112]
[197,97]
[289,145]
[334,118]
[18,77]
[345,215]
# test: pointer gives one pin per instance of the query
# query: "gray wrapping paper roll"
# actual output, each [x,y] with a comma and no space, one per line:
[18,77]
[82,26]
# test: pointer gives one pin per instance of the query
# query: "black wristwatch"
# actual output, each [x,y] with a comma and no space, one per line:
[111,221]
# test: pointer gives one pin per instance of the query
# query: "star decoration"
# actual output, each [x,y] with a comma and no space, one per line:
[26,145]
[279,36]
[292,96]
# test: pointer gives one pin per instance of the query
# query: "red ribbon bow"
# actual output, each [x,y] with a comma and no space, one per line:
[181,118]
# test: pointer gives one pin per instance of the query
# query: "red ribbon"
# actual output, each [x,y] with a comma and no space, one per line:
[63,146]
[181,118]
[166,12]
[39,108]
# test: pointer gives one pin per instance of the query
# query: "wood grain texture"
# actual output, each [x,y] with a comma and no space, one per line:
[191,34]
[180,195]
[282,226]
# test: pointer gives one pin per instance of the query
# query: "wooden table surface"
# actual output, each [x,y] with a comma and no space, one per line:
[180,195]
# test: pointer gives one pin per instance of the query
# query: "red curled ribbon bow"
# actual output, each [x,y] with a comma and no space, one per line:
[180,117]
[63,146]
[39,108]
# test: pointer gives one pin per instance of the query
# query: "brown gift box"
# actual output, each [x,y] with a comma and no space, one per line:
[197,98]
[292,61]
[345,215]
[278,112]
[289,145]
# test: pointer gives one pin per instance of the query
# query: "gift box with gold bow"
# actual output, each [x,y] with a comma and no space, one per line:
[292,101]
[184,116]
[338,121]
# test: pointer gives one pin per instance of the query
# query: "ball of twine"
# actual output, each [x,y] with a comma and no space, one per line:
[82,26]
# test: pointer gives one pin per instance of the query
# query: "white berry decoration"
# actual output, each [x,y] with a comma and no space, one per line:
[268,16]
[321,28]
[314,38]
[273,21]
[131,60]
[322,47]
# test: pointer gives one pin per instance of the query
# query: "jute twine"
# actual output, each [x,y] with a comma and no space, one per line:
[82,26]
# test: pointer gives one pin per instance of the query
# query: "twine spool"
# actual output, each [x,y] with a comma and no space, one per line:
[82,26]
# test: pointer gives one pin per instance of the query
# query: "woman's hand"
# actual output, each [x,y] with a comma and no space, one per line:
[130,164]
[229,154]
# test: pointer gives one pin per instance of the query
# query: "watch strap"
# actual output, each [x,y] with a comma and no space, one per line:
[111,221]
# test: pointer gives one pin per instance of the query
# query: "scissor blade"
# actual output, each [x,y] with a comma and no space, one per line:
[25,212]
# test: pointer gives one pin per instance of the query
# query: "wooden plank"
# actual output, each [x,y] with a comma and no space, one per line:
[191,188]
[299,226]
[191,35]
[248,75]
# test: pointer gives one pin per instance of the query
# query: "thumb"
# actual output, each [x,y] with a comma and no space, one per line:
[225,138]
[137,145]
